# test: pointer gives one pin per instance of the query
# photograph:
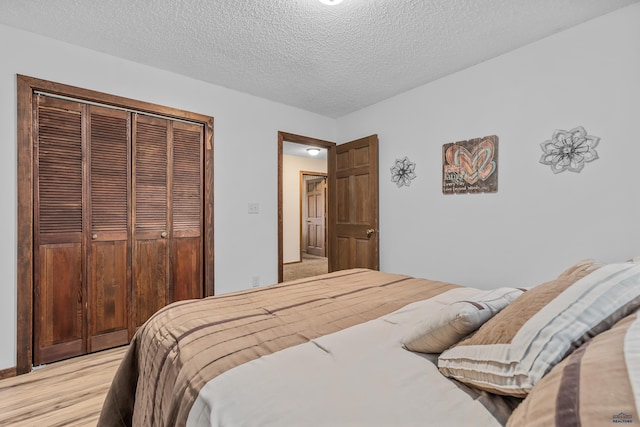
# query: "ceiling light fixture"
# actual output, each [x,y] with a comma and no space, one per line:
[331,2]
[313,151]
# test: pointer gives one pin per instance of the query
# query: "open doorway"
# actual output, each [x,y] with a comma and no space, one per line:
[303,243]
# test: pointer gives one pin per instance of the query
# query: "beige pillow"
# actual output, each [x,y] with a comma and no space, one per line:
[445,327]
[594,386]
[511,352]
[503,328]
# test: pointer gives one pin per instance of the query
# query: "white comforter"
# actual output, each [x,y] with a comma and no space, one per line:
[360,376]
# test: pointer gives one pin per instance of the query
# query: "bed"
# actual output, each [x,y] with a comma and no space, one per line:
[368,348]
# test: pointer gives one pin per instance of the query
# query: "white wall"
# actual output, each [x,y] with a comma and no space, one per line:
[291,168]
[245,149]
[538,223]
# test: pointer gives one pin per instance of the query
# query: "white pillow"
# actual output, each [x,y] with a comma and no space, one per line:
[445,327]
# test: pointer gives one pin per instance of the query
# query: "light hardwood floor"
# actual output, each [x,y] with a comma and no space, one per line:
[67,393]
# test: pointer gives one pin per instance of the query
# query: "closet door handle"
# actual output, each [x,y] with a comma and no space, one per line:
[94,236]
[163,234]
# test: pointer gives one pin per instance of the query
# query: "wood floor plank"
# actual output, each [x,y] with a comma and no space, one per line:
[67,393]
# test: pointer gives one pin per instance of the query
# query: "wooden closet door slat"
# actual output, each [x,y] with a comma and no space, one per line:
[151,174]
[108,247]
[151,232]
[186,211]
[59,299]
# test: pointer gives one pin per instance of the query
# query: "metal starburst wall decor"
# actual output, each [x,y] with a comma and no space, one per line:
[403,172]
[569,150]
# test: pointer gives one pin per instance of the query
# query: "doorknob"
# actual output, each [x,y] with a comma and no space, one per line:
[163,234]
[370,232]
[94,236]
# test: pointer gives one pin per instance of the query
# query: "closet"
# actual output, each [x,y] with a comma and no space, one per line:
[117,220]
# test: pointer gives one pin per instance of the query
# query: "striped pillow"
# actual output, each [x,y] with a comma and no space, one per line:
[597,385]
[511,352]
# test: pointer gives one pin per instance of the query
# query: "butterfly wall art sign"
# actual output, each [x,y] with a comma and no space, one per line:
[470,166]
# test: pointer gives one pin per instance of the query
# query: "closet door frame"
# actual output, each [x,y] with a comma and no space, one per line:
[26,87]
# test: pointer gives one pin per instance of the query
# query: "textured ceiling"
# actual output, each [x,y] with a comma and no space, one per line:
[331,60]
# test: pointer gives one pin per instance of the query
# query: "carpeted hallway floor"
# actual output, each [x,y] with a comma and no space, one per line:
[310,266]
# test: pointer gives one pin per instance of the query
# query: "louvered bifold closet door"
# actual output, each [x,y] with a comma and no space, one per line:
[186,211]
[150,223]
[58,255]
[108,216]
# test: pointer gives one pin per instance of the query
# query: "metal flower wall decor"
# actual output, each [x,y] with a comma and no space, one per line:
[403,172]
[569,150]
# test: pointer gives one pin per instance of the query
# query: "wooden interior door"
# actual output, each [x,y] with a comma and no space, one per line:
[150,274]
[76,211]
[59,297]
[315,220]
[119,201]
[168,214]
[107,215]
[354,206]
[187,214]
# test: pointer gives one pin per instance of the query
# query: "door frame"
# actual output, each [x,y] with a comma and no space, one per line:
[303,192]
[331,159]
[26,86]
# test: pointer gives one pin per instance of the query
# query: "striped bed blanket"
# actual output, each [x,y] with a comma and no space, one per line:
[187,344]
